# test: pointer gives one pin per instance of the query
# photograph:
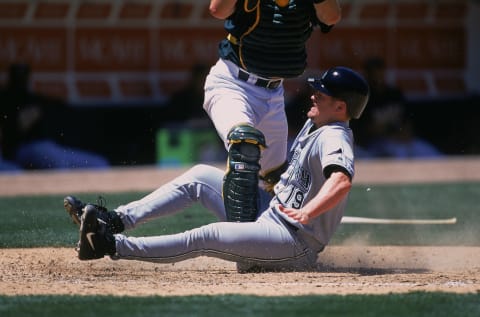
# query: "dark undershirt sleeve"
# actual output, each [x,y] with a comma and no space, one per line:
[328,170]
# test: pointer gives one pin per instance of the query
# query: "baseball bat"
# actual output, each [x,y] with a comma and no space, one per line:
[447,221]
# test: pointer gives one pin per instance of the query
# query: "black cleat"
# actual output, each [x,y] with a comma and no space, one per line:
[75,207]
[96,239]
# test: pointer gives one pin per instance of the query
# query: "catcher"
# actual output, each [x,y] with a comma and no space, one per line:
[244,96]
[293,226]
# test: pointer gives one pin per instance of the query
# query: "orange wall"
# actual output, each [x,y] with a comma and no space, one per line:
[114,51]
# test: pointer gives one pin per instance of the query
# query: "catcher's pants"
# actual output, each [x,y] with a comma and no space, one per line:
[269,242]
[230,101]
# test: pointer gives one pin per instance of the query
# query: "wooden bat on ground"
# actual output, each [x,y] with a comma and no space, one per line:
[447,221]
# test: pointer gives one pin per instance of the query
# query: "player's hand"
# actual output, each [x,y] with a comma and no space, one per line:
[295,214]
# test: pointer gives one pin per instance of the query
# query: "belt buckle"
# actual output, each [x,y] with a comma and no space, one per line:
[273,84]
[270,84]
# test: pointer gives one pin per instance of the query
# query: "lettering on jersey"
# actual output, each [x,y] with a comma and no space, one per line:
[293,164]
[294,158]
[298,183]
[303,178]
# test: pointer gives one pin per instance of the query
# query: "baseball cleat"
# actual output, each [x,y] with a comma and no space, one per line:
[96,239]
[74,207]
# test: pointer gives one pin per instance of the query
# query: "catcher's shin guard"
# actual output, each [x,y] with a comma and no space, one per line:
[240,183]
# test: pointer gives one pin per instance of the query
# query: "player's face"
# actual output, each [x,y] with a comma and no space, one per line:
[323,109]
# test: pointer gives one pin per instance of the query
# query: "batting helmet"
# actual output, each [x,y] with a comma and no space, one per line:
[345,84]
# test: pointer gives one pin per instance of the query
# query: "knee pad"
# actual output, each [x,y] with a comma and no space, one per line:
[240,183]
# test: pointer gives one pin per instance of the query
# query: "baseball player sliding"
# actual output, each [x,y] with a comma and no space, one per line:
[244,96]
[292,227]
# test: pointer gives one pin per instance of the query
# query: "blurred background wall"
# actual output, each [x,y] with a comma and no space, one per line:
[117,62]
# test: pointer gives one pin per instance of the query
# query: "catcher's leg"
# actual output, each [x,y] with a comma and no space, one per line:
[240,183]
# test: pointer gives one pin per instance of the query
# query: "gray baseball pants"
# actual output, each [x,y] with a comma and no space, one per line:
[269,243]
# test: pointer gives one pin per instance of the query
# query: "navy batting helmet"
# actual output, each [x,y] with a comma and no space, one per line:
[345,84]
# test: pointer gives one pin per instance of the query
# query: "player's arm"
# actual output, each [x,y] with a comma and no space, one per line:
[222,9]
[335,188]
[328,12]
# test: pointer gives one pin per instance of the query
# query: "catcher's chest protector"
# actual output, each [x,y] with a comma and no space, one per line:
[269,36]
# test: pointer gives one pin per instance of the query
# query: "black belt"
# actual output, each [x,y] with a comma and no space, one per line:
[265,83]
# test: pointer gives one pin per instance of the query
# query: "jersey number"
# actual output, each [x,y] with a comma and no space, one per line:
[295,199]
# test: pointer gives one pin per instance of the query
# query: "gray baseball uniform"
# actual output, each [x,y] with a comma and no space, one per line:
[274,241]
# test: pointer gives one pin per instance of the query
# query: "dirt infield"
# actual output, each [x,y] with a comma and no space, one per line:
[348,269]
